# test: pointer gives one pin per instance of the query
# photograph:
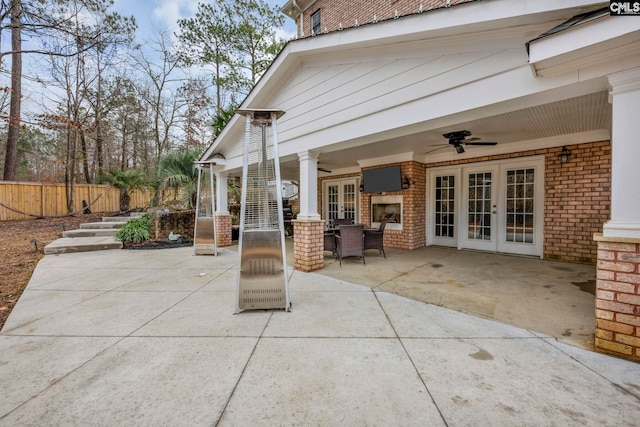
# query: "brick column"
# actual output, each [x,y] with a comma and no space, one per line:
[308,245]
[618,296]
[223,230]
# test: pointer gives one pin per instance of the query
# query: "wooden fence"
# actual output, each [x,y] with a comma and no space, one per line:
[49,199]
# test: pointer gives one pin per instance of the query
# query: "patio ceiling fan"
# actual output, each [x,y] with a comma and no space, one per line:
[459,138]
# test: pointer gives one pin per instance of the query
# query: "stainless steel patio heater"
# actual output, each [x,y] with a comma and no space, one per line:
[262,275]
[204,239]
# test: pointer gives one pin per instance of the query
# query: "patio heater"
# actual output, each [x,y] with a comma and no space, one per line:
[204,239]
[262,275]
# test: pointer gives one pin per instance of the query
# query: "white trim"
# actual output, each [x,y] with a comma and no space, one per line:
[498,169]
[623,82]
[388,199]
[629,230]
[432,174]
[340,183]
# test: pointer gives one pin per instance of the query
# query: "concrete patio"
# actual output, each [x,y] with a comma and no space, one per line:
[149,338]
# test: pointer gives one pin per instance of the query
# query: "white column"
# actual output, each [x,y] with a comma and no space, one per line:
[222,204]
[308,186]
[625,155]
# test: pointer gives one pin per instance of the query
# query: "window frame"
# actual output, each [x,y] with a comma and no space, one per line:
[317,14]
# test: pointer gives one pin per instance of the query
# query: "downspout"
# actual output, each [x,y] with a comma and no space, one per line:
[301,30]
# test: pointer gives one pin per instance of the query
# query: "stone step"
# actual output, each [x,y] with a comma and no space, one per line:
[91,236]
[67,245]
[102,225]
[87,232]
[116,218]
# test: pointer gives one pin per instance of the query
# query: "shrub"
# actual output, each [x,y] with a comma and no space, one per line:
[136,230]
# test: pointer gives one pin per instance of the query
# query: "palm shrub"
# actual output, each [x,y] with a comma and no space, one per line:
[136,230]
[126,181]
[177,171]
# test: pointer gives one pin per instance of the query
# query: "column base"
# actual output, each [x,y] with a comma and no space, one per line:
[308,245]
[618,296]
[223,230]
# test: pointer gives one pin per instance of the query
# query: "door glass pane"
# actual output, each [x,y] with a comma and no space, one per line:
[333,203]
[479,227]
[445,202]
[519,206]
[349,198]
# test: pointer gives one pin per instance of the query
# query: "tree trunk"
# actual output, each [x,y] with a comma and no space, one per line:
[85,158]
[99,137]
[11,158]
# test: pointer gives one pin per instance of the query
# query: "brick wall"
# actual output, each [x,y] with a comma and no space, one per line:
[412,235]
[223,230]
[618,297]
[308,245]
[577,201]
[179,222]
[346,12]
[577,198]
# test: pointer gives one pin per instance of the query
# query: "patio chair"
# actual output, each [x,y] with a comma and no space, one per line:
[330,242]
[350,242]
[374,239]
[342,221]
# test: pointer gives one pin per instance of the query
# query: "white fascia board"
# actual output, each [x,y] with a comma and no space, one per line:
[235,128]
[584,40]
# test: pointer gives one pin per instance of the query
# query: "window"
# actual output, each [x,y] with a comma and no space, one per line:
[316,25]
[445,208]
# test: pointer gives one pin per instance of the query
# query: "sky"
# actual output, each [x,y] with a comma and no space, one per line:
[150,15]
[164,14]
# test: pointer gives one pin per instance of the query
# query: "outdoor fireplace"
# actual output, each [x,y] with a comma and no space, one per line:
[389,208]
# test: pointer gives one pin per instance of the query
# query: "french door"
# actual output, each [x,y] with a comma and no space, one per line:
[496,207]
[341,200]
[479,222]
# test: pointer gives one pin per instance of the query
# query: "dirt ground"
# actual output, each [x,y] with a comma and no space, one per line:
[19,255]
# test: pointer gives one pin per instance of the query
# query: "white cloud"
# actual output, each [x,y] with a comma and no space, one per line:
[170,11]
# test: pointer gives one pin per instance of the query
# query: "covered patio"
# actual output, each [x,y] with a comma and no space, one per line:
[553,84]
[552,298]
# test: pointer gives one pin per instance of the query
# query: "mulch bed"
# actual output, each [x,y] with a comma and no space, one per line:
[156,244]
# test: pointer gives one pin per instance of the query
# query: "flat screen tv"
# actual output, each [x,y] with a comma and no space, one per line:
[380,180]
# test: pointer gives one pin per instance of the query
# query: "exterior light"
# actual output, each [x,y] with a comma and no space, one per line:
[564,155]
[406,183]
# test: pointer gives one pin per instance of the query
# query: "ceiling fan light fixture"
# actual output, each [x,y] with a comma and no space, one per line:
[459,148]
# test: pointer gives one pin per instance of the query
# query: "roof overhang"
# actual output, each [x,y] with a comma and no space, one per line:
[473,26]
[294,8]
[596,41]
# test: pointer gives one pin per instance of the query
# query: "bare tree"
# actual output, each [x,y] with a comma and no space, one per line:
[77,70]
[11,156]
[196,114]
[159,93]
[46,20]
